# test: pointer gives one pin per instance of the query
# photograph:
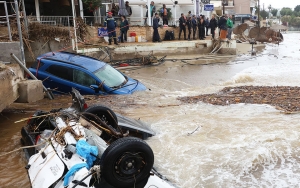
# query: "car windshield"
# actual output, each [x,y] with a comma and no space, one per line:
[110,76]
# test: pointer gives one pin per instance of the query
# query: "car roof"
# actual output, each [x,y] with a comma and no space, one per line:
[86,62]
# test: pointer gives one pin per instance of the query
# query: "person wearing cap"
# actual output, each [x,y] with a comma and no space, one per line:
[129,10]
[110,24]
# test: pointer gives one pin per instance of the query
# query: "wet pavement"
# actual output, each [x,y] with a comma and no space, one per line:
[198,144]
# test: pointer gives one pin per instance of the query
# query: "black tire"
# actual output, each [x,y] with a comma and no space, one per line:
[106,115]
[100,111]
[127,162]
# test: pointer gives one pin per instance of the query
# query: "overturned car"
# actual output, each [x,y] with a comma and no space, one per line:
[89,147]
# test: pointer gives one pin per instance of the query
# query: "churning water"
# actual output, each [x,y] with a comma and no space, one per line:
[201,145]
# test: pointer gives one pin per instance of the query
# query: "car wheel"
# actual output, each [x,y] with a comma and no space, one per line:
[106,115]
[127,162]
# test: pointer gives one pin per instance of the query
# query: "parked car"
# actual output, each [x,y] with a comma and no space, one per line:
[62,71]
[89,147]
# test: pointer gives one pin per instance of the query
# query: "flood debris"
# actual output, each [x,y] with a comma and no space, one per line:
[260,34]
[283,98]
[149,59]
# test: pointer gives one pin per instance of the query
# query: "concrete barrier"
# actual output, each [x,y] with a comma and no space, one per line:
[30,91]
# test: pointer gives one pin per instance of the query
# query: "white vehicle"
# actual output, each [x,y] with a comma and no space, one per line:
[82,149]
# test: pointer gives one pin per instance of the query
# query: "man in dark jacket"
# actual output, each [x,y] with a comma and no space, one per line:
[213,24]
[156,37]
[110,24]
[194,26]
[129,10]
[201,28]
[182,23]
[222,23]
[207,25]
[189,25]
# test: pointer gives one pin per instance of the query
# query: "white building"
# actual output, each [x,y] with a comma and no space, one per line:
[183,6]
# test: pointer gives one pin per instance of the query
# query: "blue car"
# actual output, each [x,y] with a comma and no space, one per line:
[63,71]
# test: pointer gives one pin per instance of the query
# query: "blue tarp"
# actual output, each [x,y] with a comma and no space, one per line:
[72,171]
[84,150]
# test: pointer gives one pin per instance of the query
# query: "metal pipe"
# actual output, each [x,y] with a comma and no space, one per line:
[30,74]
[74,23]
[20,32]
[7,20]
[25,17]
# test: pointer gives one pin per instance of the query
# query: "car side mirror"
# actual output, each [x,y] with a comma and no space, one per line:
[95,87]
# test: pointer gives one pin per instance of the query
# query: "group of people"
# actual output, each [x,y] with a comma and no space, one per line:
[110,23]
[192,23]
[189,22]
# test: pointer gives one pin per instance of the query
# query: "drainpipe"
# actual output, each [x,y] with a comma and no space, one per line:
[20,32]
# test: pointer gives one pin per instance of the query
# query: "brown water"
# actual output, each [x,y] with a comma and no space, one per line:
[201,145]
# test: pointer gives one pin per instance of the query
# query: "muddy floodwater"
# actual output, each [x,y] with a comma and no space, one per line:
[199,144]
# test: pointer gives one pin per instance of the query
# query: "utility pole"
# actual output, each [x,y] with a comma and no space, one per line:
[258,14]
[223,3]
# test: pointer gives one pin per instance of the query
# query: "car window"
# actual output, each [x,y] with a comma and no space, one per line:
[35,64]
[110,76]
[61,72]
[83,78]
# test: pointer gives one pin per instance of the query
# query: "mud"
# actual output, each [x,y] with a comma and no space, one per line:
[283,98]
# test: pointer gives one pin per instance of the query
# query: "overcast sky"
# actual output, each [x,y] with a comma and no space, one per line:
[280,3]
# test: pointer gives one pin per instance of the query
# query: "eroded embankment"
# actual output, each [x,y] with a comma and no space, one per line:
[284,98]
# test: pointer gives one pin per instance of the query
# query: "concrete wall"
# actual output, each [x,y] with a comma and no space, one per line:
[158,49]
[242,6]
[145,32]
[9,47]
[10,76]
[40,47]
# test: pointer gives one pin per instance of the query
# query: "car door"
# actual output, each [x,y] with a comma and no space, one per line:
[82,81]
[59,78]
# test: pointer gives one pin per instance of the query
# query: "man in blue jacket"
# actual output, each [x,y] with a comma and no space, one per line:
[110,24]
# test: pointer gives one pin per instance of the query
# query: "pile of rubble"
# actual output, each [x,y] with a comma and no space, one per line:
[260,34]
[284,98]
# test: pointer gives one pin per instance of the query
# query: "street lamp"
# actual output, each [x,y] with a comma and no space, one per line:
[269,7]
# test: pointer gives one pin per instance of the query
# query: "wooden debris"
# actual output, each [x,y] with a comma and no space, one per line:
[284,98]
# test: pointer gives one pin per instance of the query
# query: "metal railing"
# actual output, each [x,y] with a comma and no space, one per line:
[6,21]
[52,20]
[67,21]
